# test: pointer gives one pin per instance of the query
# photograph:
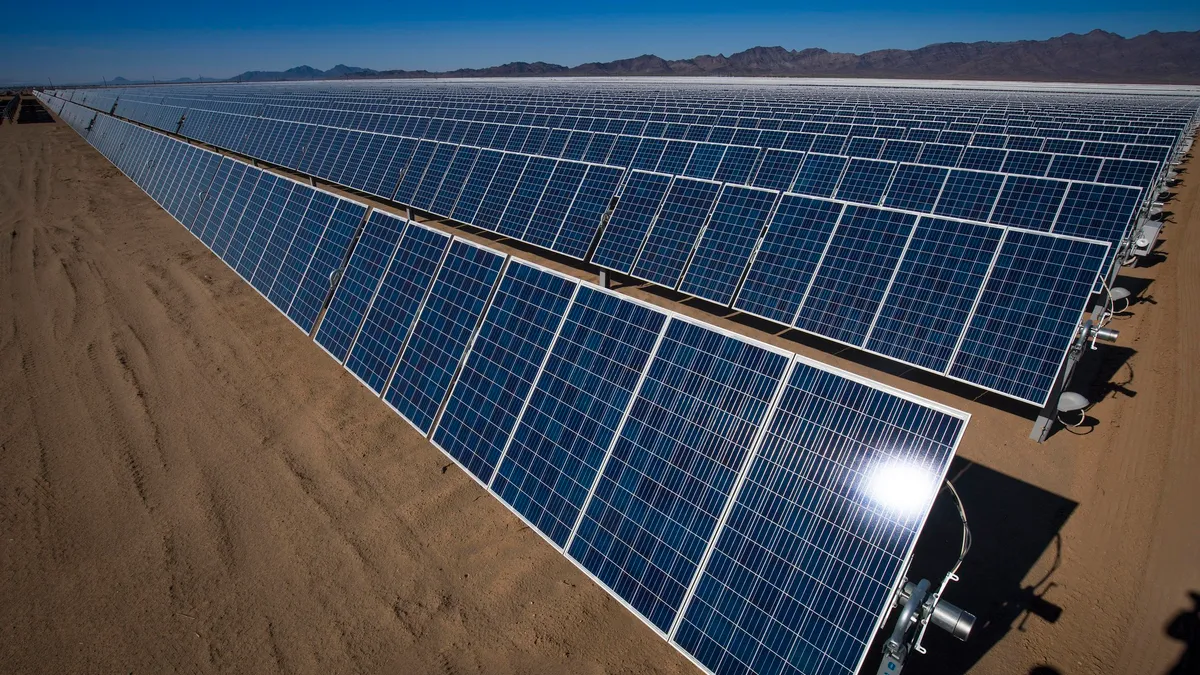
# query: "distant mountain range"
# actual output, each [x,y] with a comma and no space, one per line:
[1098,56]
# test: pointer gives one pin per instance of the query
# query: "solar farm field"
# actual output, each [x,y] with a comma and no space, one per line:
[257,414]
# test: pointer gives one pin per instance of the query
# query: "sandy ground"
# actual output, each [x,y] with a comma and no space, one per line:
[187,483]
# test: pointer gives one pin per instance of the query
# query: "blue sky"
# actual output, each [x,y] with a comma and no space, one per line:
[85,41]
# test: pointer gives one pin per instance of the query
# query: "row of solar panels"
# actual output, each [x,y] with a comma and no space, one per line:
[925,145]
[949,296]
[740,499]
[497,105]
[1099,211]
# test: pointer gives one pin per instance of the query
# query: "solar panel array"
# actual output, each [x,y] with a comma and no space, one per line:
[705,184]
[742,500]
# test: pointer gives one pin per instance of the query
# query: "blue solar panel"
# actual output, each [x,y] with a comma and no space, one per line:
[208,222]
[816,526]
[673,235]
[1026,316]
[704,161]
[276,246]
[260,231]
[969,195]
[300,253]
[439,164]
[500,192]
[440,336]
[672,468]
[854,273]
[588,208]
[526,196]
[476,186]
[862,146]
[778,170]
[930,299]
[1074,168]
[228,224]
[1099,212]
[1031,203]
[1128,172]
[782,268]
[915,187]
[737,164]
[675,157]
[499,372]
[576,407]
[938,154]
[551,209]
[411,179]
[901,151]
[736,224]
[329,256]
[395,305]
[627,227]
[819,175]
[452,184]
[865,180]
[368,262]
[982,159]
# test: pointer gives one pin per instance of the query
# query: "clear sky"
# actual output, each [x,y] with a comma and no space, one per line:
[74,41]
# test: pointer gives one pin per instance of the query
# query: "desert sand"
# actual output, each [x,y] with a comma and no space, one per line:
[187,483]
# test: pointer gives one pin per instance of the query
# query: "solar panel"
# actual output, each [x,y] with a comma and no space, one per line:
[329,256]
[587,209]
[476,186]
[435,172]
[630,221]
[865,180]
[673,235]
[915,187]
[1031,203]
[782,267]
[498,194]
[821,528]
[551,209]
[969,195]
[854,273]
[280,239]
[526,196]
[672,467]
[300,251]
[358,284]
[728,241]
[411,179]
[576,407]
[438,340]
[819,175]
[1027,314]
[929,301]
[402,289]
[778,170]
[1099,212]
[514,338]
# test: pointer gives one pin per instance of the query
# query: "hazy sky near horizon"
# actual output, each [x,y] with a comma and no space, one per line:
[84,42]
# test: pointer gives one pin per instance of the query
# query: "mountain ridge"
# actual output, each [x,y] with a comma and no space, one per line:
[1097,56]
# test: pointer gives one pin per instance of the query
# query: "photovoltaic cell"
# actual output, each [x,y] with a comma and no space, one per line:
[500,369]
[475,187]
[526,196]
[865,180]
[367,264]
[1027,314]
[721,256]
[778,170]
[395,305]
[500,192]
[854,273]
[1071,167]
[442,332]
[452,184]
[329,256]
[812,529]
[782,267]
[929,301]
[672,468]
[575,409]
